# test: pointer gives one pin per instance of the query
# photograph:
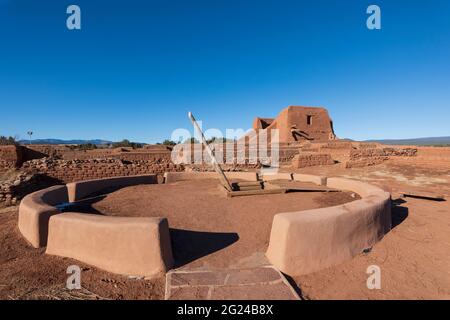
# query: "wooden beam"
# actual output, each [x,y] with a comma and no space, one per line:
[423,195]
[216,165]
[255,192]
[247,185]
[295,189]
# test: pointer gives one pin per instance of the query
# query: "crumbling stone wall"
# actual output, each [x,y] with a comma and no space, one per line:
[188,153]
[400,152]
[338,144]
[67,171]
[144,156]
[367,145]
[19,184]
[37,151]
[309,159]
[297,123]
[149,153]
[10,157]
[42,173]
[369,157]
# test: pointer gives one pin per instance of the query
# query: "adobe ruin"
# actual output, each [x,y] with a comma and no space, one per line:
[297,123]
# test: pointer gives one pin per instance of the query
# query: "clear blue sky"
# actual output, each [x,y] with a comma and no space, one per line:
[137,67]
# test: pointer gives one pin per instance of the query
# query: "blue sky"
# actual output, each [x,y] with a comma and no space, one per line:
[136,67]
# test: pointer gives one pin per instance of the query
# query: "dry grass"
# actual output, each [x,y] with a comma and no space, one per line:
[8,175]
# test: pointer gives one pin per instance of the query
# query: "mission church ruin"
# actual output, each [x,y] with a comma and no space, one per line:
[296,124]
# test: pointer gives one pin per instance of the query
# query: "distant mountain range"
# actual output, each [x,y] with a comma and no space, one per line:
[417,141]
[59,141]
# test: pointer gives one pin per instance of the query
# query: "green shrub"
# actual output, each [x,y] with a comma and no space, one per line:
[218,140]
[127,144]
[168,143]
[86,146]
[6,141]
[191,140]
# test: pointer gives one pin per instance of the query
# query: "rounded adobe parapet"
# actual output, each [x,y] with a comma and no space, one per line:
[170,177]
[81,189]
[131,246]
[137,246]
[307,241]
[35,211]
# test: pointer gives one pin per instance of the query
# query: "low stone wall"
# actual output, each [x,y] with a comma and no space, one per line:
[382,152]
[400,152]
[182,176]
[20,176]
[233,154]
[19,184]
[67,171]
[68,152]
[338,144]
[373,156]
[36,151]
[308,159]
[10,157]
[307,241]
[367,145]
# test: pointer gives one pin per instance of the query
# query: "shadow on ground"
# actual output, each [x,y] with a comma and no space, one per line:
[82,206]
[398,212]
[296,288]
[188,245]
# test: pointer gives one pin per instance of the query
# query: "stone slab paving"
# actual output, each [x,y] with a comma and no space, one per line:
[260,283]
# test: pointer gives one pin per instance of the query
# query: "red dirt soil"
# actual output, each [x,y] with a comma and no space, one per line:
[200,239]
[28,273]
[414,257]
[209,230]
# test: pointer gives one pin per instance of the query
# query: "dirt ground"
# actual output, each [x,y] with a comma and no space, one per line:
[28,273]
[413,257]
[209,230]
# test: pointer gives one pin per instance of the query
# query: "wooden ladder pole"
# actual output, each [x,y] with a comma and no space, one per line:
[215,164]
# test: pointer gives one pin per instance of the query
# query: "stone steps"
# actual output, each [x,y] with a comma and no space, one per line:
[259,283]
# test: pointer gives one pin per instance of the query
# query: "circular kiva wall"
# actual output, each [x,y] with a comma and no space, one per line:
[300,242]
[124,245]
[306,241]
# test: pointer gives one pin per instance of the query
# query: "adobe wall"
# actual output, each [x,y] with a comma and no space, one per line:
[65,171]
[137,246]
[285,154]
[296,123]
[10,157]
[307,241]
[300,242]
[82,189]
[170,177]
[373,156]
[35,211]
[13,189]
[41,151]
[149,153]
[40,166]
[262,123]
[309,159]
